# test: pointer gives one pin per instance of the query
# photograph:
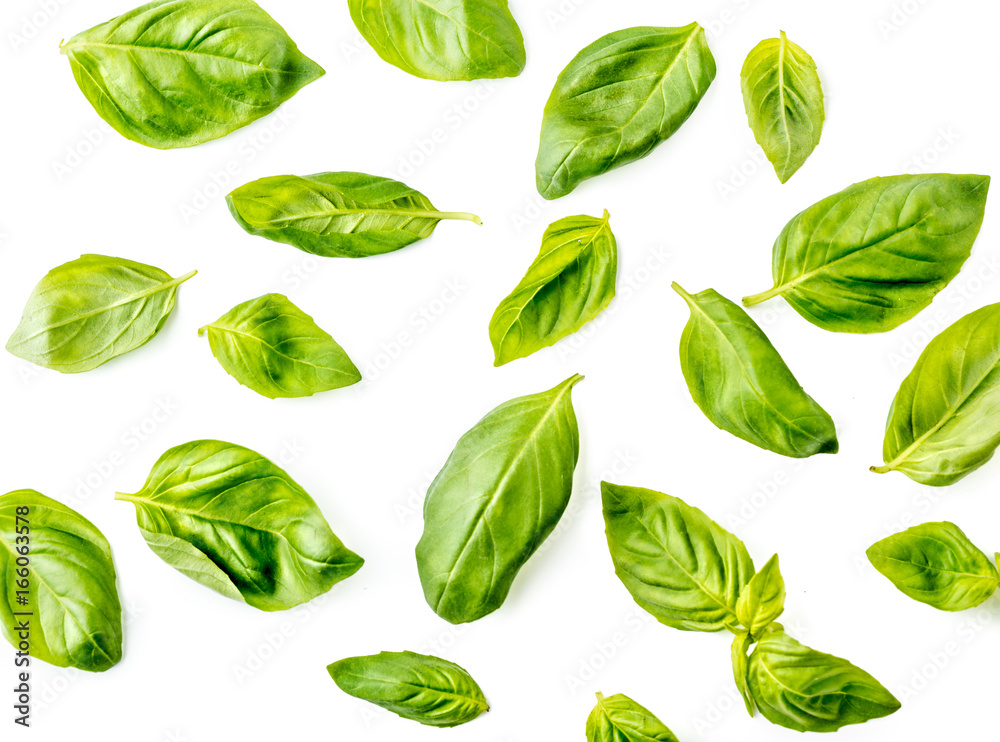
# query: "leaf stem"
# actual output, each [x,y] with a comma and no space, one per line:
[461,216]
[686,296]
[749,301]
[884,469]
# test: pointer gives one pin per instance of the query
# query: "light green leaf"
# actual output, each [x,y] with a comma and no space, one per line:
[620,719]
[740,648]
[763,599]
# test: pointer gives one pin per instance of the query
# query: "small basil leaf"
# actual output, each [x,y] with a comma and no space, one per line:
[799,688]
[175,73]
[945,420]
[73,615]
[617,100]
[337,215]
[271,346]
[252,533]
[870,257]
[498,497]
[620,719]
[742,384]
[784,103]
[763,599]
[936,564]
[92,309]
[415,686]
[443,39]
[739,649]
[677,563]
[570,282]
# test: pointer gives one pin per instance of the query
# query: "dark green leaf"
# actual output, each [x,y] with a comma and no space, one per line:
[93,309]
[271,346]
[936,564]
[415,686]
[498,497]
[679,565]
[174,73]
[230,519]
[570,282]
[617,100]
[742,384]
[763,599]
[73,613]
[620,719]
[870,257]
[337,215]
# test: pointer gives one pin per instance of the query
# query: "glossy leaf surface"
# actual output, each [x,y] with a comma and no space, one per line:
[620,719]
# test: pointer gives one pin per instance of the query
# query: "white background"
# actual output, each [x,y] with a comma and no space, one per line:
[903,87]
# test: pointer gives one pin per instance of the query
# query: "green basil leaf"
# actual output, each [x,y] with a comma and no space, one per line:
[870,257]
[784,103]
[617,100]
[337,215]
[271,346]
[570,282]
[763,599]
[498,497]
[443,39]
[230,519]
[741,660]
[620,719]
[72,614]
[937,564]
[678,564]
[742,384]
[799,688]
[945,420]
[415,686]
[175,73]
[93,309]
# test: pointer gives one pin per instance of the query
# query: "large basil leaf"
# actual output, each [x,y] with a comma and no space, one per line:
[870,257]
[498,497]
[937,564]
[443,39]
[415,686]
[175,73]
[799,688]
[72,614]
[276,349]
[742,384]
[570,282]
[93,309]
[945,420]
[784,102]
[620,719]
[617,100]
[230,519]
[763,599]
[337,215]
[679,564]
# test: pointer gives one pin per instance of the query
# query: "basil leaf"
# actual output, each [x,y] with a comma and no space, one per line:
[870,257]
[738,651]
[419,687]
[945,420]
[93,309]
[743,386]
[443,39]
[784,103]
[617,100]
[620,719]
[799,688]
[763,599]
[936,564]
[498,497]
[570,282]
[271,346]
[337,215]
[230,519]
[677,563]
[72,613]
[175,73]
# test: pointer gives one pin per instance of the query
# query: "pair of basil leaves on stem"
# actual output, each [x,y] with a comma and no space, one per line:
[937,564]
[692,574]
